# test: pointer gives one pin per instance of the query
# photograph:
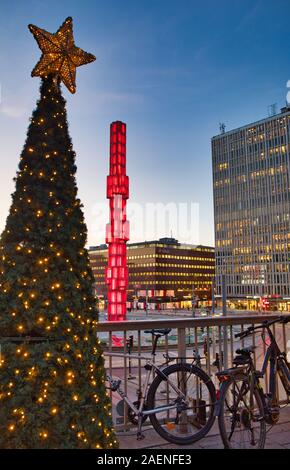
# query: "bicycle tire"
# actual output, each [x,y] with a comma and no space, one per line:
[221,418]
[194,370]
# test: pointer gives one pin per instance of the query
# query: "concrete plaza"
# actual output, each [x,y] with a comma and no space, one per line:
[278,437]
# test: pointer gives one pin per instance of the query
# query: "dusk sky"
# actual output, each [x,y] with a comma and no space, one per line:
[171,69]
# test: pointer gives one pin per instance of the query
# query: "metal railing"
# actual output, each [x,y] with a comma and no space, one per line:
[212,337]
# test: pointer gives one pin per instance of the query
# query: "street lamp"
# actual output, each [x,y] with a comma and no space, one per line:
[213,296]
[193,301]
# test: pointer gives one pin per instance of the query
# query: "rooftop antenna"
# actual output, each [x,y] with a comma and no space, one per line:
[222,127]
[272,109]
[171,234]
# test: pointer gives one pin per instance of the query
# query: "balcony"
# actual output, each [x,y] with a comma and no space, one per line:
[213,338]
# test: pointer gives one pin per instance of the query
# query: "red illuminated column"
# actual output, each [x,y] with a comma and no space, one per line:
[117,230]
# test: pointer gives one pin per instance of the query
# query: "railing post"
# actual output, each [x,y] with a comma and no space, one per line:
[181,347]
[225,329]
[212,312]
[181,337]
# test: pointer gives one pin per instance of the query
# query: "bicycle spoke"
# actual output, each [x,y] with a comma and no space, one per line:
[194,408]
[241,424]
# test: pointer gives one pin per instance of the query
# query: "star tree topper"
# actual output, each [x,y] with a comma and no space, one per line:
[60,56]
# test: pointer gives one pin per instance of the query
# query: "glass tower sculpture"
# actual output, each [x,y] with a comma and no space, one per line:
[117,230]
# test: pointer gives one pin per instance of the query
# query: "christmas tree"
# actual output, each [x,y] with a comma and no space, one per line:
[52,392]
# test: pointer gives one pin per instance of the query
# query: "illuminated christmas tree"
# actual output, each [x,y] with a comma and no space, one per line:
[52,392]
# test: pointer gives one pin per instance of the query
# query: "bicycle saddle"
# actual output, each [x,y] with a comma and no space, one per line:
[246,351]
[161,332]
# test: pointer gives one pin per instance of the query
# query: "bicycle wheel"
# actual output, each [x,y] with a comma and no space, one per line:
[242,426]
[192,417]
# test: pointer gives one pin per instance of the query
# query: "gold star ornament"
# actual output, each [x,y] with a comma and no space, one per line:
[60,56]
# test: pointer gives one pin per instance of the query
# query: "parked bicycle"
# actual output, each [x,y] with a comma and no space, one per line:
[244,408]
[179,401]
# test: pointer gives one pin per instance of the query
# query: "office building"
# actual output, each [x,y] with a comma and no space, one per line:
[162,273]
[251,182]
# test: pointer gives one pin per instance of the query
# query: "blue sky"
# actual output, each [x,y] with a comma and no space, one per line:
[171,69]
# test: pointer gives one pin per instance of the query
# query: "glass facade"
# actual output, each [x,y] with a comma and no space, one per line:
[251,179]
[161,270]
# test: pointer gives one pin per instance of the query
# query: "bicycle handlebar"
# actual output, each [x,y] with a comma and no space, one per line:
[265,324]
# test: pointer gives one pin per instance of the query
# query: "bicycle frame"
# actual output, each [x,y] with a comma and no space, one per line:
[274,356]
[150,366]
[278,363]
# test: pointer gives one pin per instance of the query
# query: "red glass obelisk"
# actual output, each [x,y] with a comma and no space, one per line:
[117,230]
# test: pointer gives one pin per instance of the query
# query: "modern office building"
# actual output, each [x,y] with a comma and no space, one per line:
[162,273]
[251,180]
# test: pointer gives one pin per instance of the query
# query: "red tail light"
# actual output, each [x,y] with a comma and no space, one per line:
[223,378]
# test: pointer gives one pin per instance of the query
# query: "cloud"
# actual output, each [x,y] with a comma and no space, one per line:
[248,18]
[14,112]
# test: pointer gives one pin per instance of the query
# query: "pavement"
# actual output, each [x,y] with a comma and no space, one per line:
[278,437]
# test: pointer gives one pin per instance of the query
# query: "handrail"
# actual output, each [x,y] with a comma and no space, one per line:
[127,325]
[127,355]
